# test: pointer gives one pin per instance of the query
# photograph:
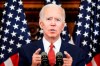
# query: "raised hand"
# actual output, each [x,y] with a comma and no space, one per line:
[68,60]
[36,58]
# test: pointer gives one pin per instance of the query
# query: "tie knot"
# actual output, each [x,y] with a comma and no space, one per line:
[51,46]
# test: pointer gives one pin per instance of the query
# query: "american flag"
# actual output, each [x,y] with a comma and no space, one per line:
[14,32]
[87,31]
[64,35]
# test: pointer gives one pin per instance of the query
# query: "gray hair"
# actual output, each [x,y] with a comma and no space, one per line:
[41,14]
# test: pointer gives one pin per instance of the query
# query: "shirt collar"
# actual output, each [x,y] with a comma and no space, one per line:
[46,44]
[56,44]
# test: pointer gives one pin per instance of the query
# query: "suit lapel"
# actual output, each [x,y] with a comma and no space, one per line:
[63,47]
[41,45]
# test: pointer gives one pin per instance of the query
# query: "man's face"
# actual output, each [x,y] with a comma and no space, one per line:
[52,23]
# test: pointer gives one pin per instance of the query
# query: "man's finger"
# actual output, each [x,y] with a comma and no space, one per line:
[67,55]
[37,51]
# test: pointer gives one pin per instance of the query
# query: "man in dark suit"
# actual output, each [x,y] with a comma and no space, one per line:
[52,20]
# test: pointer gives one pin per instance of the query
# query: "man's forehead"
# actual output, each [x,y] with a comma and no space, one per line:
[53,9]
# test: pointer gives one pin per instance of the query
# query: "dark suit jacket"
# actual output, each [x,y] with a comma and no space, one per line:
[26,52]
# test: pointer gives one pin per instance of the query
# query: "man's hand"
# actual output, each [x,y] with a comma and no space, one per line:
[36,58]
[68,60]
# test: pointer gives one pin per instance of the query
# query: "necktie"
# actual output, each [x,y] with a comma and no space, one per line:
[51,56]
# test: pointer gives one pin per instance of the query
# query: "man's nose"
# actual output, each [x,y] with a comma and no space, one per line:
[53,22]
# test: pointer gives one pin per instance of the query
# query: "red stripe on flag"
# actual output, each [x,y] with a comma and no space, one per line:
[97,59]
[15,59]
[2,64]
[89,64]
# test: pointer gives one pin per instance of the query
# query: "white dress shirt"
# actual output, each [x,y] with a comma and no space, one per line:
[56,44]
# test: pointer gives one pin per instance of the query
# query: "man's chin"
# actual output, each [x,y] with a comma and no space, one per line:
[52,36]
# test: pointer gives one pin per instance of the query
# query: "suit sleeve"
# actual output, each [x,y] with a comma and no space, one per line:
[81,59]
[22,58]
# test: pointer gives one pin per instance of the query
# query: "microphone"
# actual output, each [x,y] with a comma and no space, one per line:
[44,59]
[59,59]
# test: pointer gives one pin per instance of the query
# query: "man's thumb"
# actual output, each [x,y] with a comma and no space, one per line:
[37,51]
[67,55]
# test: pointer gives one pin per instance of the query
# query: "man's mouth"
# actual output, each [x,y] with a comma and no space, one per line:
[52,30]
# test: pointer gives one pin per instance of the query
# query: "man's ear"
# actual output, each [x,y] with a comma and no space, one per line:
[40,23]
[63,26]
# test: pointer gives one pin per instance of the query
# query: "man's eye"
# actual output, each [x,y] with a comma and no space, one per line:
[58,19]
[48,18]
